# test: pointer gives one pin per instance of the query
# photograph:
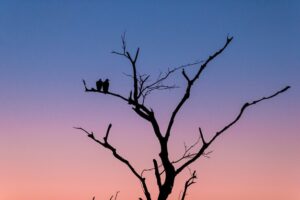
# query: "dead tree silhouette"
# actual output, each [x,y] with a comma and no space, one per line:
[165,170]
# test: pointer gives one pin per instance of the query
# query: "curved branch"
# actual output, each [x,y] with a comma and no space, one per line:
[190,83]
[107,145]
[217,134]
[243,109]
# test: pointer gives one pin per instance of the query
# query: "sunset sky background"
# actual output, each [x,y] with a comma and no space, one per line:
[47,47]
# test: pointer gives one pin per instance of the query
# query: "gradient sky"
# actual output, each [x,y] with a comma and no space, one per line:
[47,47]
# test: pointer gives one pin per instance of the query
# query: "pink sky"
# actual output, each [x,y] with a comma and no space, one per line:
[46,48]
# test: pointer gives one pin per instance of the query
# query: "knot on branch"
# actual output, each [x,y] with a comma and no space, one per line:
[91,135]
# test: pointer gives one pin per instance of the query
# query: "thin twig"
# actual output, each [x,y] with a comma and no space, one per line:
[188,183]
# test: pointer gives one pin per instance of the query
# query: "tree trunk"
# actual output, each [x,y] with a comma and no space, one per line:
[167,187]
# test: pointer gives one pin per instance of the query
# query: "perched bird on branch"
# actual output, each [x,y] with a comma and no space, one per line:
[105,86]
[99,85]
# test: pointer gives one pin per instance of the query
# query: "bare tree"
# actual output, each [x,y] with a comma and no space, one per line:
[165,170]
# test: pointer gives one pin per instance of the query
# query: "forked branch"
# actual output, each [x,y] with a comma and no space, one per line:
[187,154]
[158,84]
[107,145]
[190,82]
[133,61]
[188,183]
[140,88]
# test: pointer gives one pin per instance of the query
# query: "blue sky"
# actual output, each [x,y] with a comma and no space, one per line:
[55,44]
[47,47]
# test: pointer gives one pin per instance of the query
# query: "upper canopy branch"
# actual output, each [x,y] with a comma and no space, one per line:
[133,61]
[217,134]
[140,88]
[210,58]
[190,83]
[158,84]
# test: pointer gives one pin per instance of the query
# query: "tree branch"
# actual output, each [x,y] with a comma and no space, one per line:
[188,183]
[190,83]
[244,108]
[107,145]
[217,134]
[186,154]
[201,135]
[140,109]
[127,55]
[185,76]
[107,133]
[157,174]
[210,58]
[158,84]
[116,196]
[109,93]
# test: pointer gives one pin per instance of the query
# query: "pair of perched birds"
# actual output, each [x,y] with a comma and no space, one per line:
[100,85]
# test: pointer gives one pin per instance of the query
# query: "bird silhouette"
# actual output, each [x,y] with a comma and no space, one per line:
[99,85]
[105,86]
